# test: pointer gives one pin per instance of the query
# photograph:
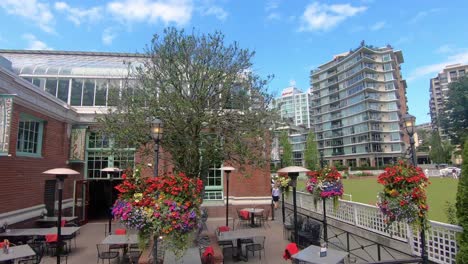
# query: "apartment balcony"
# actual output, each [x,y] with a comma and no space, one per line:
[339,153]
[336,126]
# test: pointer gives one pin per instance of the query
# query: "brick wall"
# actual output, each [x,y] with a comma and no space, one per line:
[21,178]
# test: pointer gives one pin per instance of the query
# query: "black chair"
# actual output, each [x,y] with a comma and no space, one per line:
[262,219]
[38,248]
[224,243]
[104,253]
[241,220]
[309,233]
[257,245]
[288,227]
[134,256]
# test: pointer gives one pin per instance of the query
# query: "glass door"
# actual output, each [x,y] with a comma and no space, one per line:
[81,205]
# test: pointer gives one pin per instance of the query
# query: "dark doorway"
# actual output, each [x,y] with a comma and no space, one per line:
[99,198]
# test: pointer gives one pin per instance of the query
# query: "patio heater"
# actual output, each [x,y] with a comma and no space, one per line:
[156,134]
[111,172]
[60,174]
[293,173]
[409,124]
[282,188]
[228,170]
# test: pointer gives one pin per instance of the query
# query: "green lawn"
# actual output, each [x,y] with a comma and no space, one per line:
[364,190]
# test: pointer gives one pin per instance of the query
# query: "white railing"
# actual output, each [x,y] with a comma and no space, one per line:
[441,238]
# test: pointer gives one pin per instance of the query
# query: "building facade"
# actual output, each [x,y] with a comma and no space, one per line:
[439,88]
[358,100]
[66,92]
[294,105]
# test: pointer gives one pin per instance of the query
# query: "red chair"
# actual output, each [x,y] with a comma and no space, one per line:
[290,250]
[121,231]
[51,242]
[62,223]
[207,256]
[223,229]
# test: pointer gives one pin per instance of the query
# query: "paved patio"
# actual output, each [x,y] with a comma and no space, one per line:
[93,233]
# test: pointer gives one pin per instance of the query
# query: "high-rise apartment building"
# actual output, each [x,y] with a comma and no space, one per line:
[358,100]
[439,92]
[294,105]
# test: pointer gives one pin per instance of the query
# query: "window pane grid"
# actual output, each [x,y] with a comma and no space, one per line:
[28,136]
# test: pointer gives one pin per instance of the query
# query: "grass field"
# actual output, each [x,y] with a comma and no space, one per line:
[441,190]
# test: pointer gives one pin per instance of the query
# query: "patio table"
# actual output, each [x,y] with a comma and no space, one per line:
[17,252]
[120,239]
[52,219]
[65,231]
[237,235]
[191,256]
[252,212]
[311,254]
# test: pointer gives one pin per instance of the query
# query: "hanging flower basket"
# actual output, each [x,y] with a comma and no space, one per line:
[167,205]
[284,181]
[325,183]
[404,195]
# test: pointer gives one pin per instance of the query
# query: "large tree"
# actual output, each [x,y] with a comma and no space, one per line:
[462,205]
[214,108]
[311,154]
[455,119]
[440,151]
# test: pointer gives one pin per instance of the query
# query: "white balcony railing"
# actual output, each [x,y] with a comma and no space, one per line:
[440,238]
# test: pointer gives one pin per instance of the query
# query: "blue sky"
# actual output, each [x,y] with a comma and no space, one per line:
[289,37]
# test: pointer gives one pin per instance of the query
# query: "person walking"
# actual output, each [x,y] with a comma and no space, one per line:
[275,193]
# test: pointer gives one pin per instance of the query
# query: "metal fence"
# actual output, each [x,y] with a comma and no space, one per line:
[440,238]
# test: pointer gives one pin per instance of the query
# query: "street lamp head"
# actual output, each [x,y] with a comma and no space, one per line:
[409,121]
[156,129]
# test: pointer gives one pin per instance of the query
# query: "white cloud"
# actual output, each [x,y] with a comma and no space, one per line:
[274,16]
[323,17]
[216,11]
[78,15]
[422,14]
[272,4]
[37,12]
[34,43]
[292,83]
[378,26]
[167,11]
[108,36]
[447,48]
[425,70]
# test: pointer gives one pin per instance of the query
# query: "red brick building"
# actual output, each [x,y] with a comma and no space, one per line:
[51,123]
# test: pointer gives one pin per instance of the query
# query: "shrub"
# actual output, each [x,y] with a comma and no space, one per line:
[462,213]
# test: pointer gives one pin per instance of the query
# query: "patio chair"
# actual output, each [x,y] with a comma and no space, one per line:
[104,253]
[38,248]
[224,243]
[309,233]
[288,227]
[257,245]
[51,243]
[120,232]
[262,219]
[241,218]
[134,256]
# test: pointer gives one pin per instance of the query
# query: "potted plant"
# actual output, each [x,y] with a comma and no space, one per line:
[167,205]
[404,195]
[325,183]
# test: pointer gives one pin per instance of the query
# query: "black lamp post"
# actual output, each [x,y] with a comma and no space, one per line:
[293,173]
[60,174]
[324,208]
[409,123]
[111,172]
[156,134]
[228,170]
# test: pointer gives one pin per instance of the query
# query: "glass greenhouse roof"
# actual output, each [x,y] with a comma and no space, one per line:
[69,63]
